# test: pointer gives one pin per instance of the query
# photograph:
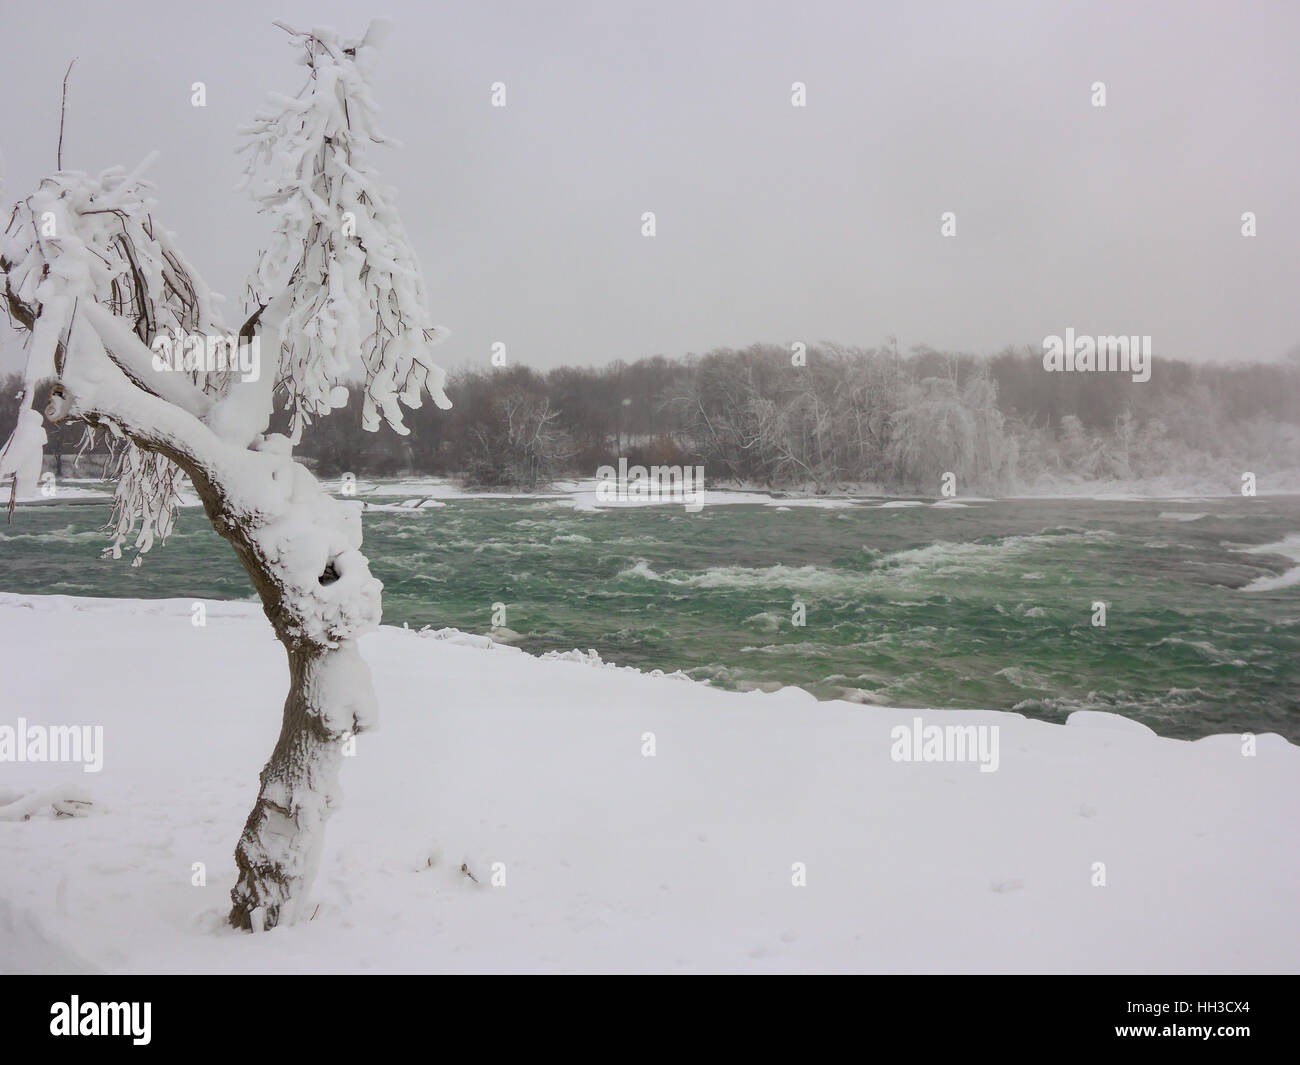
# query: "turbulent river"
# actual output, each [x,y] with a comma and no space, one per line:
[988,604]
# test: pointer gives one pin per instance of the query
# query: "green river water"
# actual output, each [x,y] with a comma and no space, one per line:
[986,605]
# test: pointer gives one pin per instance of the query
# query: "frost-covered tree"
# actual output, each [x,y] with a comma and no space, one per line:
[90,273]
[942,427]
[1080,448]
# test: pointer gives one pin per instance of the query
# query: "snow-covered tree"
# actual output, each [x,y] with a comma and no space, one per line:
[88,271]
[943,427]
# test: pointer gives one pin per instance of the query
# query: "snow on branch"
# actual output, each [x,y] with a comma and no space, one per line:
[338,256]
[85,252]
[94,239]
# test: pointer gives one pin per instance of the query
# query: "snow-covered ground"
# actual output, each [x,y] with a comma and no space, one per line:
[613,860]
[582,493]
[429,492]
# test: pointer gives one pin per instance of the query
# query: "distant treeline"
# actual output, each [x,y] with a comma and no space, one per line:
[825,418]
[846,416]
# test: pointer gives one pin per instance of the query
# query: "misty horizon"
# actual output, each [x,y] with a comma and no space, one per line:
[774,223]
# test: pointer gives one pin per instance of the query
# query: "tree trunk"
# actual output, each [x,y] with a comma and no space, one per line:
[279,850]
[302,550]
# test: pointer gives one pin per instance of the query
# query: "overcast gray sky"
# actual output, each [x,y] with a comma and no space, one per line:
[775,223]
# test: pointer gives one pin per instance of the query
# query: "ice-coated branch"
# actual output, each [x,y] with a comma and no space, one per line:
[339,254]
[136,361]
[85,249]
[94,389]
[286,530]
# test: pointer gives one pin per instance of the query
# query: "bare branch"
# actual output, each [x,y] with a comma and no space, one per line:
[63,110]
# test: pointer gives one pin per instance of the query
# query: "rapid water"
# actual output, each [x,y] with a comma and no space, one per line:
[987,605]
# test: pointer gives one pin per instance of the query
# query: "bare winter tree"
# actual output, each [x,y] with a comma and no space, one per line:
[96,280]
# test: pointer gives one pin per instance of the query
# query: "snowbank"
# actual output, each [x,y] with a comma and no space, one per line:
[582,495]
[430,492]
[65,492]
[1171,487]
[613,860]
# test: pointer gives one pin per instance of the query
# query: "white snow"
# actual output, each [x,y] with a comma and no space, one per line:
[612,860]
[1173,487]
[63,491]
[407,506]
[1106,719]
[581,494]
[20,458]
